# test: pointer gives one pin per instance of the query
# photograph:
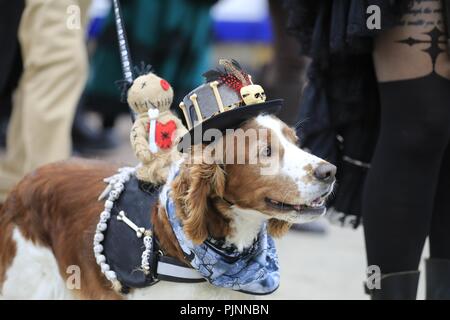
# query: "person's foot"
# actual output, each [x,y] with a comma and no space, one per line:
[395,286]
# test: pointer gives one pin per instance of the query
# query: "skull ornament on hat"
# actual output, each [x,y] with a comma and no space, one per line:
[237,79]
[253,94]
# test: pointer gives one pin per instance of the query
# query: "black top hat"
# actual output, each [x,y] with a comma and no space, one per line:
[227,99]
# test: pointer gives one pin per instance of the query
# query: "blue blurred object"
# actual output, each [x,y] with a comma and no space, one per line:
[235,22]
[98,13]
[95,26]
[243,31]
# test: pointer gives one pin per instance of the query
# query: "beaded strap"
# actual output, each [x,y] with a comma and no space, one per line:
[116,185]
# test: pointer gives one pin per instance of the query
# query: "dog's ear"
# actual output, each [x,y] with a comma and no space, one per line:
[206,180]
[198,182]
[278,228]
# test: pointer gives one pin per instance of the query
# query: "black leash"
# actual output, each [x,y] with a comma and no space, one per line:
[125,55]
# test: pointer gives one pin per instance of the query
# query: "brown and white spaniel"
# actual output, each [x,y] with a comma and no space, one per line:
[48,222]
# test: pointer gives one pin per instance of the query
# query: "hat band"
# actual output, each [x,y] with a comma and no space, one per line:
[200,117]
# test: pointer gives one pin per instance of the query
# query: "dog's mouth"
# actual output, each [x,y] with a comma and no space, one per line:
[315,207]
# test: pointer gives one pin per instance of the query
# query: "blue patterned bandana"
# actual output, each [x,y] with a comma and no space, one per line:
[253,271]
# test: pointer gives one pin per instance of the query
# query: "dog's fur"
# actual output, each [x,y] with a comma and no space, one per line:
[48,221]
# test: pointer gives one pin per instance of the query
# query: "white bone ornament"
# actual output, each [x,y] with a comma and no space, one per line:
[153,114]
[105,192]
[139,231]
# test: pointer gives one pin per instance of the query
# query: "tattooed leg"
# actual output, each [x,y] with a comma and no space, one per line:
[401,185]
[416,47]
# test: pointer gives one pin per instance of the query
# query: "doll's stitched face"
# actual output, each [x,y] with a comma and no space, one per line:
[150,91]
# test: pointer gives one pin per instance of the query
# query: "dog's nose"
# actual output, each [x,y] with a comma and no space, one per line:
[325,172]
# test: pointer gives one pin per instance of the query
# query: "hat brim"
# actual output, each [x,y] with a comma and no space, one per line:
[228,120]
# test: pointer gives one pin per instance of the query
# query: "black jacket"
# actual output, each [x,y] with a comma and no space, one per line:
[340,106]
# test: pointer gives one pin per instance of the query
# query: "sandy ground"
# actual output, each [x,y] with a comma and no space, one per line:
[313,266]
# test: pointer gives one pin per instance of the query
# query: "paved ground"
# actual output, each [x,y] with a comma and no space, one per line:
[330,266]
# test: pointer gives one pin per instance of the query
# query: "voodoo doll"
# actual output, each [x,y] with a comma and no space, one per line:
[156,130]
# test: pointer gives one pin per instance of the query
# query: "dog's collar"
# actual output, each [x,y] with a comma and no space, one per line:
[125,246]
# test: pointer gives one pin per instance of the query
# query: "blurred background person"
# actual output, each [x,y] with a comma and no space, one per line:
[378,105]
[10,59]
[284,75]
[51,38]
[174,36]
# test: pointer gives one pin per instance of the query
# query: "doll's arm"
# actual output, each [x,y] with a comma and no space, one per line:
[139,140]
[180,132]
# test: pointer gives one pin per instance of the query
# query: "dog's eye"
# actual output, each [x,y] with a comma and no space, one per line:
[266,151]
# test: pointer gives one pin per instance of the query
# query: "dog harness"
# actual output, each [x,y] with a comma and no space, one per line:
[127,251]
[124,245]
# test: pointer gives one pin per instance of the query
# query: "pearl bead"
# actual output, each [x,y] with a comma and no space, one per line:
[102,226]
[98,248]
[109,204]
[114,194]
[100,258]
[99,237]
[105,215]
[105,267]
[110,275]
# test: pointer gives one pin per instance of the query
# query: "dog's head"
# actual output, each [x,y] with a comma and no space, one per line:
[257,169]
